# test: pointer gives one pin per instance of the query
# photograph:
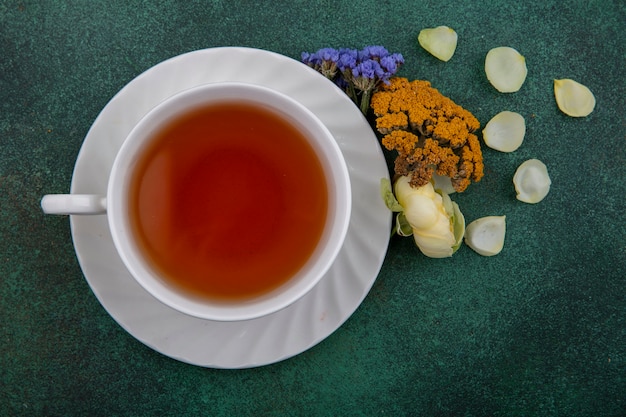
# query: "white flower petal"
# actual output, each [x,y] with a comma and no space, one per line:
[486,235]
[573,98]
[440,41]
[505,69]
[505,131]
[532,182]
[420,211]
[434,247]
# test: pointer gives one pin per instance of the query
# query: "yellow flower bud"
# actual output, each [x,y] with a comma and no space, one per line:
[437,223]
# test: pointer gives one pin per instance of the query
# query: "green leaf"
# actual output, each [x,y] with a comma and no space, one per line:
[458,226]
[403,228]
[386,193]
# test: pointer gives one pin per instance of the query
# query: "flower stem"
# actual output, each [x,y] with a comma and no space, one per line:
[352,93]
[365,102]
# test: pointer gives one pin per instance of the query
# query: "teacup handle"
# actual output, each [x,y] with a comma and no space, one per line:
[74,204]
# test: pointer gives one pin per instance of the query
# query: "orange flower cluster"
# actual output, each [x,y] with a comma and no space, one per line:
[429,131]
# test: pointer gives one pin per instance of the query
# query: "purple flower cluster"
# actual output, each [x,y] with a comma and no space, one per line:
[358,73]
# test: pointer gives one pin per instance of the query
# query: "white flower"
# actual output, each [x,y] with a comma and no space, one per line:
[436,223]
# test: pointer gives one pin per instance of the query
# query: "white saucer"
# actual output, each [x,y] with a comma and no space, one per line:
[285,333]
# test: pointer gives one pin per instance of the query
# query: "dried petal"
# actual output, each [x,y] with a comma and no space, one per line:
[573,98]
[439,41]
[486,235]
[532,181]
[505,131]
[505,69]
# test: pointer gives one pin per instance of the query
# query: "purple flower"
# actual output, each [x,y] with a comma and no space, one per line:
[399,58]
[373,52]
[389,64]
[358,73]
[347,59]
[366,74]
[311,60]
[328,54]
[323,61]
[369,69]
[364,69]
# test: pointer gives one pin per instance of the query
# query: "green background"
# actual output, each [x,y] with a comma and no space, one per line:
[539,330]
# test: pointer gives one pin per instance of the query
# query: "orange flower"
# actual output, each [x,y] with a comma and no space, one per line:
[429,131]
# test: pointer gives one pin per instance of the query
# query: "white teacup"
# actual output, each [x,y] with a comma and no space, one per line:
[117,202]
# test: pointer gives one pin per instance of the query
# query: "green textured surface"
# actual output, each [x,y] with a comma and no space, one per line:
[538,330]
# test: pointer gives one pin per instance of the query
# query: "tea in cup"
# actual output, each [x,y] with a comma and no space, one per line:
[228,201]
